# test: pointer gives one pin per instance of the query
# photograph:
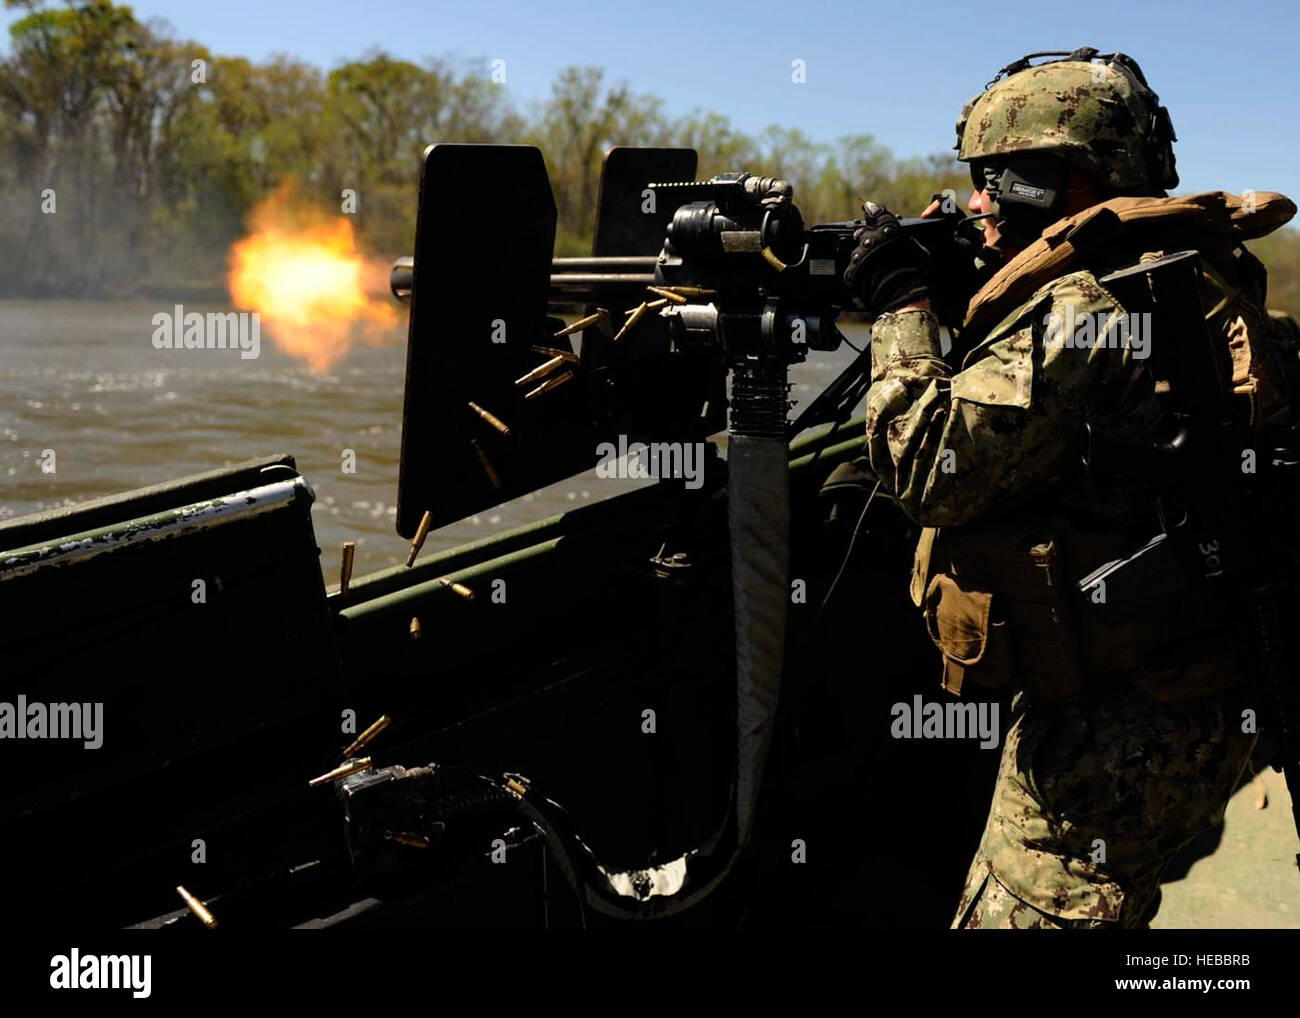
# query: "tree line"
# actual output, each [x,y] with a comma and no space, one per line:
[131,158]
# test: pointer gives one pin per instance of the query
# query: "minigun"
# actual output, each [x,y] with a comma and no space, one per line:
[740,240]
[689,280]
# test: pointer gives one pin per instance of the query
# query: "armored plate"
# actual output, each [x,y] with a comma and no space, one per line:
[484,235]
[472,438]
[625,224]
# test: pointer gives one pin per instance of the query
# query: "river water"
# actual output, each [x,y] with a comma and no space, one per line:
[83,379]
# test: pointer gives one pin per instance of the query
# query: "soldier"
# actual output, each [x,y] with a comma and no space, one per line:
[1127,740]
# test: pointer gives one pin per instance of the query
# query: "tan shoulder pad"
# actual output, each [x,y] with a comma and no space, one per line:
[1227,218]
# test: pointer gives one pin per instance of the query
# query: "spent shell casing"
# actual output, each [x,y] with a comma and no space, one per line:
[342,771]
[458,588]
[577,326]
[491,419]
[633,317]
[200,910]
[415,628]
[367,736]
[421,532]
[553,382]
[653,305]
[554,351]
[669,295]
[692,291]
[541,371]
[345,569]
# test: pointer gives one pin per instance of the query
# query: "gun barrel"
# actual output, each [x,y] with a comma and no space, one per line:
[573,280]
[599,289]
[601,279]
[605,263]
[401,277]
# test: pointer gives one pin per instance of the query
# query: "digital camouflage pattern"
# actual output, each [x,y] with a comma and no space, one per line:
[1098,789]
[1092,801]
[968,447]
[1088,113]
[952,446]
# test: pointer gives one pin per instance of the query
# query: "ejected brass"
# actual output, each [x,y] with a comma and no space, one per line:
[577,326]
[554,382]
[412,840]
[770,257]
[367,736]
[415,629]
[458,588]
[342,771]
[692,291]
[633,317]
[492,419]
[198,908]
[671,295]
[653,305]
[600,319]
[517,786]
[421,532]
[541,371]
[552,351]
[493,477]
[345,571]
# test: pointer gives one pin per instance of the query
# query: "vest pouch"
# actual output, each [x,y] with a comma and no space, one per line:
[1173,646]
[962,623]
[1036,605]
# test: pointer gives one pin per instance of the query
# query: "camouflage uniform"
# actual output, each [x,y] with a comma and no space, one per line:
[1095,793]
[1138,777]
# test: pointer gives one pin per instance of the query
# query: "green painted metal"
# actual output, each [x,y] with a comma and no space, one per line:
[385,581]
[404,598]
[829,455]
[818,445]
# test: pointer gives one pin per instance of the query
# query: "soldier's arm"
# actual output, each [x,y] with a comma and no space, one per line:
[952,446]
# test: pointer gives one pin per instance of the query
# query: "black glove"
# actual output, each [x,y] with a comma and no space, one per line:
[888,269]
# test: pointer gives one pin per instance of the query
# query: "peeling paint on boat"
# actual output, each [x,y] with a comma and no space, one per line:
[163,526]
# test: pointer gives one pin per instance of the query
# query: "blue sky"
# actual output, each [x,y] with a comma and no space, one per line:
[899,71]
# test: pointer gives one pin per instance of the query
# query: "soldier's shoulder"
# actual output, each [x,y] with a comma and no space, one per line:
[1079,290]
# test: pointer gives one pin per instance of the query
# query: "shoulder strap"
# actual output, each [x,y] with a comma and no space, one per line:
[922,564]
[1227,219]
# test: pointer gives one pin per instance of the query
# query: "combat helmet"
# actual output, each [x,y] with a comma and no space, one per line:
[1094,111]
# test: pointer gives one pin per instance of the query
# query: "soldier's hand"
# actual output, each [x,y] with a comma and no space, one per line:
[888,269]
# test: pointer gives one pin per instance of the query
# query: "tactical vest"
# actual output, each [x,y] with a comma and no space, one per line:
[1000,598]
